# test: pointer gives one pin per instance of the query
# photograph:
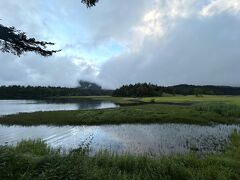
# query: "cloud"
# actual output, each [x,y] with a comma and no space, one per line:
[117,42]
[220,6]
[194,51]
[55,71]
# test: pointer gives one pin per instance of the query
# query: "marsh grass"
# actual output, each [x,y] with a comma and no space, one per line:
[223,109]
[144,114]
[177,109]
[26,162]
[36,147]
[195,99]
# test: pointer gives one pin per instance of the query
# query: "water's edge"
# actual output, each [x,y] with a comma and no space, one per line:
[133,138]
[8,107]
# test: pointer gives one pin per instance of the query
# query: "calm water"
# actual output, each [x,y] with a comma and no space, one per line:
[153,139]
[16,106]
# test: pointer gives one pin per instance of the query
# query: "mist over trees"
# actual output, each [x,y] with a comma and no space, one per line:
[89,85]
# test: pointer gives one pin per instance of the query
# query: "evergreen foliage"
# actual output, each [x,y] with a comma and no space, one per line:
[150,90]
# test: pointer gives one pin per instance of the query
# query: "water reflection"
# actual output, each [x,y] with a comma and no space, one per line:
[16,106]
[153,139]
[95,105]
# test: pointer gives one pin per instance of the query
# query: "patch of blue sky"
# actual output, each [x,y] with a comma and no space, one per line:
[98,54]
[105,52]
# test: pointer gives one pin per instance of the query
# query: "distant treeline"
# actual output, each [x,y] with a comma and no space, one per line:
[150,90]
[136,90]
[30,92]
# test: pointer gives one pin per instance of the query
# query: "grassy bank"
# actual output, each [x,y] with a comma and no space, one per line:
[150,113]
[165,99]
[178,109]
[35,160]
[194,99]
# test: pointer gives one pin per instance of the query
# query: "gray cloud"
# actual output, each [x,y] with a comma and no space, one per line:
[34,70]
[165,42]
[195,51]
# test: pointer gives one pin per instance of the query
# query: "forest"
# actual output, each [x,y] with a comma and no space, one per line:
[150,90]
[31,92]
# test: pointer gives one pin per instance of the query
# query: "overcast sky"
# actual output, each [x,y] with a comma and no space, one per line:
[118,42]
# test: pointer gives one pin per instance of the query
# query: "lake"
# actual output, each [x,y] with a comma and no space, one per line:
[16,106]
[138,139]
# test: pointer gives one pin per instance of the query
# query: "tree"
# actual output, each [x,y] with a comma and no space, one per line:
[198,92]
[16,42]
[90,3]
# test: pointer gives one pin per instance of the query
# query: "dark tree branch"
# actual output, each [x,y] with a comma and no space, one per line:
[90,3]
[16,42]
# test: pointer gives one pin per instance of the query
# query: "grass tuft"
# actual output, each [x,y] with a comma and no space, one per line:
[33,147]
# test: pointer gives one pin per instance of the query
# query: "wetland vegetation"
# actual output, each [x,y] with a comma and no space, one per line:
[36,160]
[182,109]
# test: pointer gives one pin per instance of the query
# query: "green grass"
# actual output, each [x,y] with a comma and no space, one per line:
[38,148]
[194,99]
[166,98]
[36,160]
[227,110]
[201,110]
[22,162]
[150,113]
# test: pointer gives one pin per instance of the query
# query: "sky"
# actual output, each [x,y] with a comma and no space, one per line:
[165,42]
